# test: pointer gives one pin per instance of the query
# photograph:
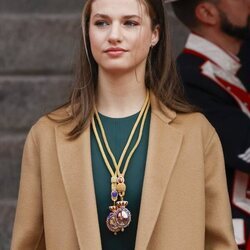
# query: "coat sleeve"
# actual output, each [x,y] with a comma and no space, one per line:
[219,230]
[28,230]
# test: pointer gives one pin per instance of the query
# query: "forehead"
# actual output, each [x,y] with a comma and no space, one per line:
[118,7]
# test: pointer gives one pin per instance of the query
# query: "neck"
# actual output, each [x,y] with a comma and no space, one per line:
[120,96]
[226,42]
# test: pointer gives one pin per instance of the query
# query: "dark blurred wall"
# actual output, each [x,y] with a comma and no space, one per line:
[38,43]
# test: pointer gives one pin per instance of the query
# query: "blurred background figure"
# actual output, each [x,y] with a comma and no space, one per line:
[218,81]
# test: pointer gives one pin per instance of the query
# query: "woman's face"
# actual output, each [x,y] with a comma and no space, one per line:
[120,34]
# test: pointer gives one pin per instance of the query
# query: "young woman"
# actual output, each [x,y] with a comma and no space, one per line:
[126,163]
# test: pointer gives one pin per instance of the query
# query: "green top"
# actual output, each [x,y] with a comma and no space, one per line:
[117,131]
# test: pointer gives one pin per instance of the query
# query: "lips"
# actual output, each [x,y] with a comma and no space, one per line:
[115,49]
[115,52]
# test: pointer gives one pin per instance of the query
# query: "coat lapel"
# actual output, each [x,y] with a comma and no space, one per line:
[164,146]
[75,163]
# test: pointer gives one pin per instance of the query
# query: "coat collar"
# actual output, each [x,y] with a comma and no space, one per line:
[225,60]
[75,163]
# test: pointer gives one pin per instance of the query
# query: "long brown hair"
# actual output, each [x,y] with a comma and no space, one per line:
[161,75]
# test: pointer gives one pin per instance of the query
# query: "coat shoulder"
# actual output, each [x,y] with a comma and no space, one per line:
[194,119]
[47,124]
[194,125]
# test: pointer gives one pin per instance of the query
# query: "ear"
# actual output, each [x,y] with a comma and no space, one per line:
[207,13]
[155,35]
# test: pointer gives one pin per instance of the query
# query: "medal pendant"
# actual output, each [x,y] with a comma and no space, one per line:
[123,215]
[111,220]
[119,217]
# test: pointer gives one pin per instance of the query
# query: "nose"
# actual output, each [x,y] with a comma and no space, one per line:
[115,34]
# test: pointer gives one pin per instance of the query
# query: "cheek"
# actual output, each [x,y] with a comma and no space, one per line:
[95,43]
[143,44]
[241,13]
[93,38]
[141,52]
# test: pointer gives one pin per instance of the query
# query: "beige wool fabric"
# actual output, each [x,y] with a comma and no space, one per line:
[184,203]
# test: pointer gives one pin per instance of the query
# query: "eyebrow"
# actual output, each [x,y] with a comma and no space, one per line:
[124,17]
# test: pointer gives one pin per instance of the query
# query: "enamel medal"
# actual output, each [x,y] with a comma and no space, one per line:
[119,216]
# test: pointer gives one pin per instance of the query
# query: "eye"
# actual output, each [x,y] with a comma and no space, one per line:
[131,23]
[101,23]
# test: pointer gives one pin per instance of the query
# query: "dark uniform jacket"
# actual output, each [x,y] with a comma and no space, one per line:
[244,55]
[209,75]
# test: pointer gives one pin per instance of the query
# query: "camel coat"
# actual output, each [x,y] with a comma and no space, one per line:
[184,203]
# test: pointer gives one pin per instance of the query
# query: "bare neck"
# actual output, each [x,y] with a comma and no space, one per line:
[120,95]
[221,39]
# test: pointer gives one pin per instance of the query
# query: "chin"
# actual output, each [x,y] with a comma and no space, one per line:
[122,67]
[118,69]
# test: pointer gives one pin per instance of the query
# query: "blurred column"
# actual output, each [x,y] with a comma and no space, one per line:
[38,41]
